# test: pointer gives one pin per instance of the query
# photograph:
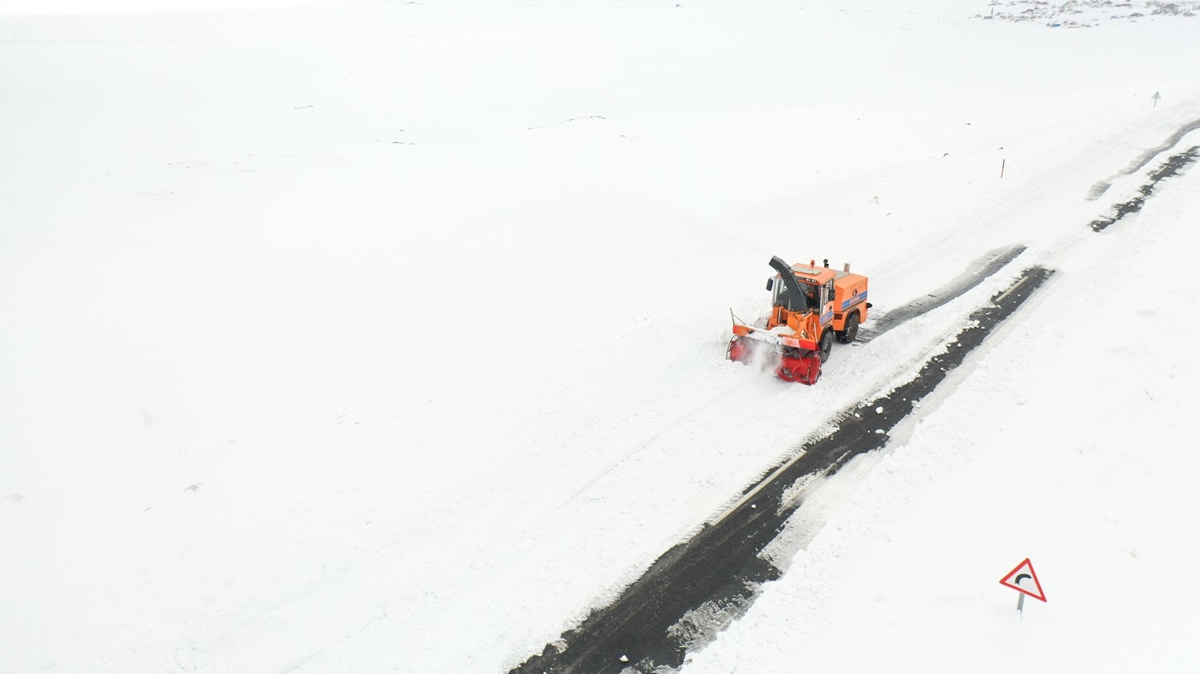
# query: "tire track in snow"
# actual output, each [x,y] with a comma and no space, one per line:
[1171,167]
[979,270]
[699,586]
[641,444]
[1148,156]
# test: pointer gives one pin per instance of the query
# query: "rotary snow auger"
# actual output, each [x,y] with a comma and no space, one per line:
[810,306]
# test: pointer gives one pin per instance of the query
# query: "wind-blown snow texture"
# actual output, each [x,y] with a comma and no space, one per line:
[367,337]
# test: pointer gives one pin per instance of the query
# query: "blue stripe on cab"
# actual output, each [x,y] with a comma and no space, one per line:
[854,300]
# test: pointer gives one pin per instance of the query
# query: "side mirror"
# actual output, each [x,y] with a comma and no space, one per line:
[770,284]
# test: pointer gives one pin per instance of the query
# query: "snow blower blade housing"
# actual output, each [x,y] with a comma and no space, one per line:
[810,307]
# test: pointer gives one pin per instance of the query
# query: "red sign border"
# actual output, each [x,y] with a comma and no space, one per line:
[1041,593]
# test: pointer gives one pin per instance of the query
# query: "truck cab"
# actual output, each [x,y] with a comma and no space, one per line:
[815,301]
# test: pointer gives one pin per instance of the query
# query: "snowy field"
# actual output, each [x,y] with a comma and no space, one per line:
[384,337]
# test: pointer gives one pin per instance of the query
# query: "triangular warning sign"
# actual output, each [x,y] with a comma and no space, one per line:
[1024,579]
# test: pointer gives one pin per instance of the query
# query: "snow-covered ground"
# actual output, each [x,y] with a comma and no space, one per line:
[367,337]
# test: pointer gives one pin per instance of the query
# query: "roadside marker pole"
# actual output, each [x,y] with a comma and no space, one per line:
[1002,168]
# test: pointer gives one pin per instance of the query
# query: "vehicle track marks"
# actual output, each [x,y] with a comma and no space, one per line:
[979,270]
[1171,167]
[1148,156]
[639,445]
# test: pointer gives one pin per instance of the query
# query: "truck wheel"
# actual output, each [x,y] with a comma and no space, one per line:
[825,345]
[851,332]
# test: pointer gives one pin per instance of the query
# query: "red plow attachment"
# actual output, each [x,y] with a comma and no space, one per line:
[805,369]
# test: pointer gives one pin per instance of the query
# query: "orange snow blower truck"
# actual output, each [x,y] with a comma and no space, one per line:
[810,305]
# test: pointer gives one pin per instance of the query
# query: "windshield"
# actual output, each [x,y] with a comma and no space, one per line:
[779,294]
[779,297]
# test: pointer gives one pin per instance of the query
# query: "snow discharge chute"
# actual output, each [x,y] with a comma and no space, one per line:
[795,296]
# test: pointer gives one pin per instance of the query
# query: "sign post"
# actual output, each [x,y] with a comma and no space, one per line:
[1024,573]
